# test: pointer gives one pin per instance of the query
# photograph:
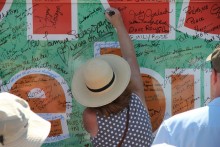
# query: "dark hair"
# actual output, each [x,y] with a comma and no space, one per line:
[211,65]
[117,105]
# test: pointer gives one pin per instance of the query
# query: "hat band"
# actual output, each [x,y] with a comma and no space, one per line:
[105,87]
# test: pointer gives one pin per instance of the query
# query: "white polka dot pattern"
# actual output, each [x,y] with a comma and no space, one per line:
[111,129]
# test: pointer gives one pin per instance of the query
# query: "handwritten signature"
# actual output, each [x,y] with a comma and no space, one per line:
[215,10]
[147,14]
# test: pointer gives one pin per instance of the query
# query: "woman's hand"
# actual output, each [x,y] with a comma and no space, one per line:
[115,19]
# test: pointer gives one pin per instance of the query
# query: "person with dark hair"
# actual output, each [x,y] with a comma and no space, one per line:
[111,88]
[198,127]
[19,126]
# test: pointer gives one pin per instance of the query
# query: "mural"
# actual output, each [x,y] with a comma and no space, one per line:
[43,42]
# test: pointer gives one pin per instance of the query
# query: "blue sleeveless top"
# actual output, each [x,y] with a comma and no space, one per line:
[111,129]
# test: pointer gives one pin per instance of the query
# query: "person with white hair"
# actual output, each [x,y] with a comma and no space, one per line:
[19,125]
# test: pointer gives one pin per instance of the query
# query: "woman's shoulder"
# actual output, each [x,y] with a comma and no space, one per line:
[89,112]
[136,103]
[134,96]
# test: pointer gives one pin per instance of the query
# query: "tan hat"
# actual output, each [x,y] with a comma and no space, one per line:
[215,59]
[19,126]
[101,80]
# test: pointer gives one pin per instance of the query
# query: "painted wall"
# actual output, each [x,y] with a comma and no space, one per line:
[42,42]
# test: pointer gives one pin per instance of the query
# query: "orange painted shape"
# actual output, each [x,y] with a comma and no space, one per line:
[203,16]
[144,18]
[2,3]
[54,101]
[182,93]
[56,128]
[115,51]
[53,17]
[155,100]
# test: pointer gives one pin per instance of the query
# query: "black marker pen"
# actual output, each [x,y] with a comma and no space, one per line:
[110,12]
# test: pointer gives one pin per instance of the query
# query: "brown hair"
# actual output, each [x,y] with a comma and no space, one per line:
[117,105]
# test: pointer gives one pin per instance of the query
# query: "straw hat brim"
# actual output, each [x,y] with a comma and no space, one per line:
[88,98]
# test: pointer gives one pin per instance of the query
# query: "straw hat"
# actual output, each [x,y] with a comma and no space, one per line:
[19,126]
[101,80]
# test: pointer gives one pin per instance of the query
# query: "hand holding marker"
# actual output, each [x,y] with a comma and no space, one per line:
[110,12]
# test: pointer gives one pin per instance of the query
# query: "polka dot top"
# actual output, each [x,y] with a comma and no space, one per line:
[111,129]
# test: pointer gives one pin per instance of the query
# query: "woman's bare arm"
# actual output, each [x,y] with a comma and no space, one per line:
[128,53]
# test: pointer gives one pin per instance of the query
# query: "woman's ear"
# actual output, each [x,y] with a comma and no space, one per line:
[214,76]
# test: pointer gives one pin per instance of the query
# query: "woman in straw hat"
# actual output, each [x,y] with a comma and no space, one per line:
[112,89]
